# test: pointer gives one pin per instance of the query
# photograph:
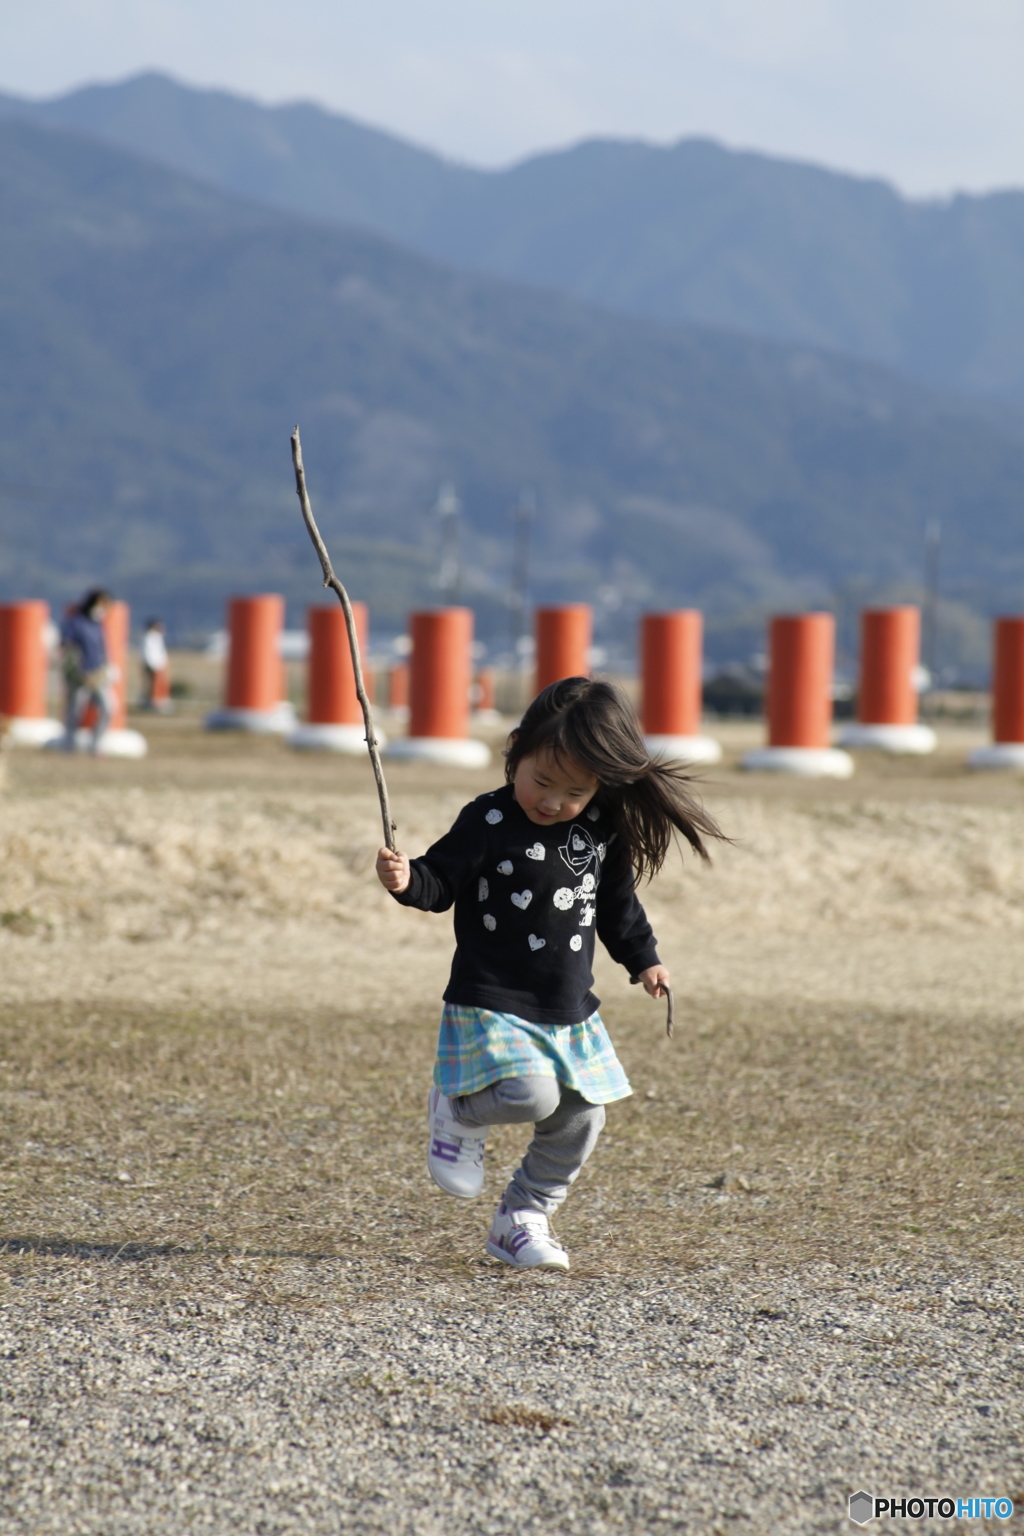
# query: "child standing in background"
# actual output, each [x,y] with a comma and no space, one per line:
[535,869]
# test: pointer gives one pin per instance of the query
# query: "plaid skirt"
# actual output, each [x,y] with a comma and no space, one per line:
[476,1047]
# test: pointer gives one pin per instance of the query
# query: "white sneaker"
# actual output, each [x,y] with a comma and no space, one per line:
[455,1153]
[522,1238]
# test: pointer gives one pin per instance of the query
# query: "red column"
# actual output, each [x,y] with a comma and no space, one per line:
[802,651]
[483,697]
[440,673]
[890,640]
[398,686]
[23,660]
[670,660]
[563,640]
[1008,681]
[254,666]
[116,624]
[331,688]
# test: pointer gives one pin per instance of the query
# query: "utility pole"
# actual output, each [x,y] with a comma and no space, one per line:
[449,577]
[523,514]
[932,555]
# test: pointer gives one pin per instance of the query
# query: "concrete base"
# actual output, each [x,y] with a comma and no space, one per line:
[684,749]
[898,739]
[113,743]
[460,752]
[1005,755]
[350,739]
[808,762]
[22,732]
[279,721]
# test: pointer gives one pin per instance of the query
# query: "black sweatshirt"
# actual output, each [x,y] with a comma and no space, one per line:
[527,901]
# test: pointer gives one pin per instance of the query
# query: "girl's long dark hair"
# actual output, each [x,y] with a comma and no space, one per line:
[594,725]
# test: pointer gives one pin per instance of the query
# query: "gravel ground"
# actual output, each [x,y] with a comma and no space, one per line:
[230,1301]
[354,1402]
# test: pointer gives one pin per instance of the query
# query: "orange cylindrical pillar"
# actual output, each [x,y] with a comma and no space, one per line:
[563,642]
[334,713]
[1008,681]
[23,660]
[671,667]
[890,640]
[116,625]
[331,686]
[398,686]
[439,681]
[1006,750]
[801,654]
[255,675]
[484,692]
[254,665]
[670,662]
[441,671]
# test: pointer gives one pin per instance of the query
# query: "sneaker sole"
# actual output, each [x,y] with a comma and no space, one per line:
[499,1253]
[457,1194]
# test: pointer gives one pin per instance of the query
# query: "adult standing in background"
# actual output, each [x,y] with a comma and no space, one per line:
[154,661]
[86,670]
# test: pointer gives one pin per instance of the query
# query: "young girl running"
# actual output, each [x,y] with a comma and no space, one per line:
[535,869]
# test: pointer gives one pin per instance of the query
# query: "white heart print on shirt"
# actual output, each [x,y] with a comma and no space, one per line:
[494,817]
[536,852]
[522,899]
[576,942]
[536,943]
[489,922]
[593,813]
[505,867]
[483,890]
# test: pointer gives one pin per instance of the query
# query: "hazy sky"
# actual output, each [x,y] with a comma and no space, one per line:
[926,92]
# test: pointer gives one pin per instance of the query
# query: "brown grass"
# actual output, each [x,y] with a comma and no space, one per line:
[216,1032]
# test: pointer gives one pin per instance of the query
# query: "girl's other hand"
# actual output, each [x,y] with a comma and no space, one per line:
[393,870]
[655,980]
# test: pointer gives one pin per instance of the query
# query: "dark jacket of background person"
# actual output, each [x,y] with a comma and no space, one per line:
[85,635]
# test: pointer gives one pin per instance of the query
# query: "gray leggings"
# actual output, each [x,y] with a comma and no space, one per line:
[566,1128]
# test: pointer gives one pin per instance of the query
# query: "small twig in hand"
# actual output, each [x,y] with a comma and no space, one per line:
[670,1017]
[330,580]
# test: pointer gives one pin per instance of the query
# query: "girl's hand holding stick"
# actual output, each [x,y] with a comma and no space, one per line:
[655,982]
[393,870]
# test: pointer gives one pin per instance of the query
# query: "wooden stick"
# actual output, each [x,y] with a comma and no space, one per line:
[330,580]
[670,1016]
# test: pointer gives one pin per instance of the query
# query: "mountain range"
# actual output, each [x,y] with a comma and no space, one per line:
[159,337]
[688,232]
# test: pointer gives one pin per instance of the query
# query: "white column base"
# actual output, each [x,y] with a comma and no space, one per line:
[807,762]
[1007,755]
[487,716]
[115,742]
[453,752]
[684,749]
[909,739]
[279,721]
[36,732]
[320,737]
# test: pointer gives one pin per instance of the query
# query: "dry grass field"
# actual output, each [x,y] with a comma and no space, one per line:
[230,1299]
